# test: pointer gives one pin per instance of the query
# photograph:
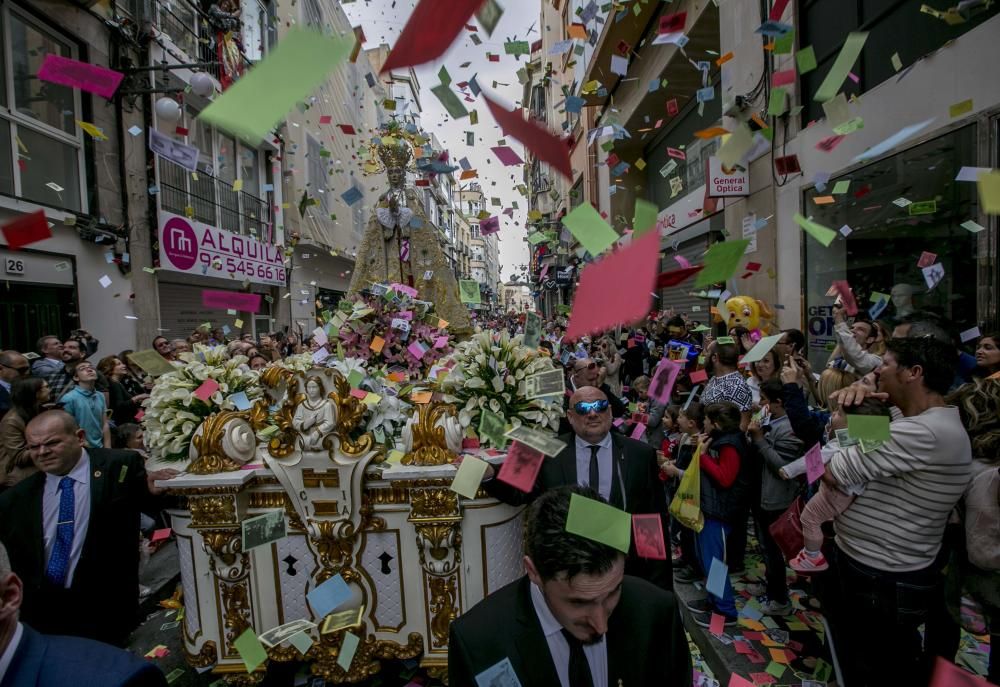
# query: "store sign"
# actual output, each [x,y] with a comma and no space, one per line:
[564,275]
[683,213]
[196,248]
[721,184]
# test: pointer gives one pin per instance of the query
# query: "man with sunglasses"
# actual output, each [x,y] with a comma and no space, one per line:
[622,470]
[12,366]
[586,372]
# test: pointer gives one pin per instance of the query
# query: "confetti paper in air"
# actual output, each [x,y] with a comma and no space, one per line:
[298,64]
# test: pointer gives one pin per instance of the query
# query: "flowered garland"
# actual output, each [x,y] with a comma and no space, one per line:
[173,413]
[488,371]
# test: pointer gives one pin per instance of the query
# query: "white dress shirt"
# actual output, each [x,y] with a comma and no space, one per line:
[81,516]
[604,464]
[7,657]
[596,653]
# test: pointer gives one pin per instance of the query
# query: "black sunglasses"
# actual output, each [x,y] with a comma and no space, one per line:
[20,370]
[591,366]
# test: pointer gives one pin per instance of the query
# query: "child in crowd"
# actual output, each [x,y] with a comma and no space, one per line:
[690,420]
[829,502]
[725,484]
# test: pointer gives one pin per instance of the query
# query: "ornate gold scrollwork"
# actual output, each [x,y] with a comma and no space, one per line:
[205,657]
[442,606]
[236,606]
[429,444]
[227,560]
[334,542]
[366,662]
[283,443]
[212,511]
[432,504]
[350,414]
[212,457]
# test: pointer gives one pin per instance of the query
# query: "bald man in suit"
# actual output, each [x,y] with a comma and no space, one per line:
[72,532]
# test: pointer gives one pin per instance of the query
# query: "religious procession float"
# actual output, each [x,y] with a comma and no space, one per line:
[318,513]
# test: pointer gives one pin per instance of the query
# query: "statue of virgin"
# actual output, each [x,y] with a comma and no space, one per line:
[401,245]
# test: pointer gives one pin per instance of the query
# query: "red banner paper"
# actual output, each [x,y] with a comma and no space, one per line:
[429,32]
[616,289]
[26,230]
[231,300]
[75,74]
[546,146]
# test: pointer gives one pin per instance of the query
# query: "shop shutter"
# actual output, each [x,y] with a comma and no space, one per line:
[691,244]
[181,311]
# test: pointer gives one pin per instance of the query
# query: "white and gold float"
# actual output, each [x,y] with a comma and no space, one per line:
[414,553]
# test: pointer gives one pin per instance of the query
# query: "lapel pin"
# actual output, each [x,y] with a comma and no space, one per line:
[97,473]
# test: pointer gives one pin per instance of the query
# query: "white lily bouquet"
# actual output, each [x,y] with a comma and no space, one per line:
[173,412]
[489,372]
[300,362]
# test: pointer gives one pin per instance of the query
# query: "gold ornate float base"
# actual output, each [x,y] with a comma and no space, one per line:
[413,554]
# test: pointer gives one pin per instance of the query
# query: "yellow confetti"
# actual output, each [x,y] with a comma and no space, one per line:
[94,132]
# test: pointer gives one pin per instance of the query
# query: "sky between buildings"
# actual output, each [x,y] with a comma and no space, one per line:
[382,21]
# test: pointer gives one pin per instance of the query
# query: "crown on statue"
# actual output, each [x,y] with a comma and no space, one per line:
[394,156]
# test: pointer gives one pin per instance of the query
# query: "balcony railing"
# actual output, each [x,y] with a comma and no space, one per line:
[214,202]
[187,26]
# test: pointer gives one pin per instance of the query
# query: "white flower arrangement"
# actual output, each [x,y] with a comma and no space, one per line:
[489,372]
[391,412]
[173,412]
[300,362]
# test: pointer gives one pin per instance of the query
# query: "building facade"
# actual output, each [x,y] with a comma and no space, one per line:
[878,165]
[137,235]
[484,258]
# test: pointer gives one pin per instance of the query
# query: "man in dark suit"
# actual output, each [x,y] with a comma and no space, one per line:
[575,619]
[30,659]
[72,532]
[13,365]
[623,471]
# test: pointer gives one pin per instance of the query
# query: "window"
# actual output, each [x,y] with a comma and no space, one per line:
[880,254]
[39,118]
[259,28]
[317,174]
[679,135]
[824,24]
[210,193]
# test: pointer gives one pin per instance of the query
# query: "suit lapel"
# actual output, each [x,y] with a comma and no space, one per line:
[36,536]
[618,456]
[26,664]
[536,659]
[99,484]
[621,648]
[567,461]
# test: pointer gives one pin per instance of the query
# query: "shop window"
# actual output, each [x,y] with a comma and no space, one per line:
[38,117]
[887,238]
[824,24]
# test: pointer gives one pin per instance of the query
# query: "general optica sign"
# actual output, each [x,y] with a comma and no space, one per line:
[195,248]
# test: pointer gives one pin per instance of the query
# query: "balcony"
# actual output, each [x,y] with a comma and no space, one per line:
[187,27]
[214,202]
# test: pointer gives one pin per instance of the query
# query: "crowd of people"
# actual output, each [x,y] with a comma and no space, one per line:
[895,532]
[890,538]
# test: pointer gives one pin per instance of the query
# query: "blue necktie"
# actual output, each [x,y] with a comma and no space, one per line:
[59,561]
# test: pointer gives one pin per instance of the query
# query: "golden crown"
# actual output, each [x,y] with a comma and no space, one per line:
[394,156]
